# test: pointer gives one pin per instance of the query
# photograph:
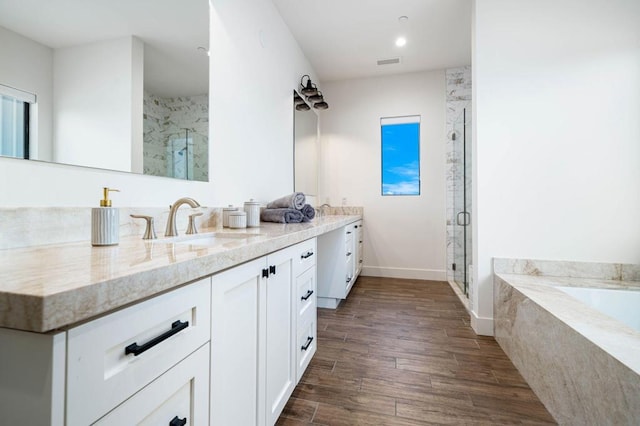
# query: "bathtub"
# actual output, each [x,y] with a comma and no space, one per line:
[622,305]
[576,341]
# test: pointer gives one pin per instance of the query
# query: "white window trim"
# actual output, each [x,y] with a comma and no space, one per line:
[385,121]
[18,94]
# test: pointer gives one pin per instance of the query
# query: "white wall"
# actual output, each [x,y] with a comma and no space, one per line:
[404,235]
[255,64]
[251,127]
[28,66]
[557,134]
[93,104]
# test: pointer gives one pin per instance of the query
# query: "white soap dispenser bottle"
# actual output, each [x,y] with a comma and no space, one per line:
[105,222]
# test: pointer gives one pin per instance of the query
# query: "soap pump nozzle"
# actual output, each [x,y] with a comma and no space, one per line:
[106,202]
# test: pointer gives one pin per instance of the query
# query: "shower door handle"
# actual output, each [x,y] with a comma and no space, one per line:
[466,218]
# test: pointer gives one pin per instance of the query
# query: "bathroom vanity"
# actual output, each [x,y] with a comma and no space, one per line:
[207,329]
[339,263]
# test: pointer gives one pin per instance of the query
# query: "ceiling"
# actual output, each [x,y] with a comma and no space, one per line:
[344,39]
[172,31]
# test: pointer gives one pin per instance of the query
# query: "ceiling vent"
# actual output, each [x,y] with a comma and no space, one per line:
[389,61]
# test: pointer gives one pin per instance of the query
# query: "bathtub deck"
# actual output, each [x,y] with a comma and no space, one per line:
[582,364]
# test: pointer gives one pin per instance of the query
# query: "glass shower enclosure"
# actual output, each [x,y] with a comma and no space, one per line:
[462,254]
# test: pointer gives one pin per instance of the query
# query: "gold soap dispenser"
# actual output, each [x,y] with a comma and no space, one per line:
[105,222]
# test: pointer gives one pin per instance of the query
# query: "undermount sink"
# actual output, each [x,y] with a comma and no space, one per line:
[210,238]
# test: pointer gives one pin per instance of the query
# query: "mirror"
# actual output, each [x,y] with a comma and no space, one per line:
[305,148]
[112,84]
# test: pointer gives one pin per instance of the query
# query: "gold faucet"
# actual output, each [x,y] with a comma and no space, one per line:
[171,220]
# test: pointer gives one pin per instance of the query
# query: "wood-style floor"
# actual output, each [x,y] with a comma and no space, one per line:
[402,352]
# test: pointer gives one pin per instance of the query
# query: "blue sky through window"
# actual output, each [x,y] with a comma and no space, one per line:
[401,157]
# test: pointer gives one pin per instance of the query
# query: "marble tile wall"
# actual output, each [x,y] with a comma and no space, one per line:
[458,86]
[164,120]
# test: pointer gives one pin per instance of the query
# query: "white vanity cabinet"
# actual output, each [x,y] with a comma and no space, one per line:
[227,350]
[339,263]
[254,334]
[79,376]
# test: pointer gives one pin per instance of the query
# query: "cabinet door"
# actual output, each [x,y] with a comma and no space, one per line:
[279,324]
[235,388]
[181,392]
[306,342]
[306,293]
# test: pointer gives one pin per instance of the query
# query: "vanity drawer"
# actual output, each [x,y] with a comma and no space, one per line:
[306,292]
[306,255]
[306,344]
[113,357]
[179,395]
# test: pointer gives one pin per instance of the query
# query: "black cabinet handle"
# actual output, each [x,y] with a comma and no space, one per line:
[307,344]
[348,232]
[178,422]
[348,280]
[306,255]
[348,254]
[272,269]
[265,273]
[356,226]
[136,349]
[308,295]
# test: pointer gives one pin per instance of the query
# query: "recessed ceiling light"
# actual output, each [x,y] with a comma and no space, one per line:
[401,41]
[403,19]
[204,50]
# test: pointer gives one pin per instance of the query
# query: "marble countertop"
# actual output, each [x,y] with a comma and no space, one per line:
[619,340]
[43,288]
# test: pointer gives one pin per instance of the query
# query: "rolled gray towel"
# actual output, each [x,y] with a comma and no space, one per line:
[281,215]
[291,201]
[308,213]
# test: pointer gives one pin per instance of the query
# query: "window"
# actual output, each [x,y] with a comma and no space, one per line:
[400,155]
[14,122]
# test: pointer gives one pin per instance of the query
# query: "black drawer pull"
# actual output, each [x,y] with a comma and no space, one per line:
[348,254]
[306,255]
[136,350]
[178,422]
[307,344]
[272,269]
[308,295]
[348,232]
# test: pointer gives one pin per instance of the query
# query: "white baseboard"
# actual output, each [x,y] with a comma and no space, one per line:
[482,326]
[327,302]
[407,273]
